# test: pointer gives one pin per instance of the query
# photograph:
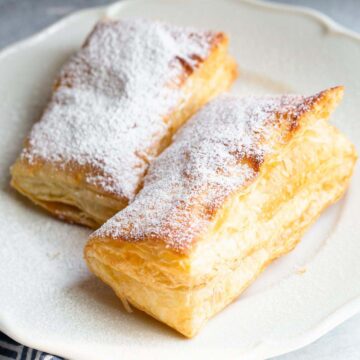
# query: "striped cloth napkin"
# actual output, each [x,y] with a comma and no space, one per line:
[10,349]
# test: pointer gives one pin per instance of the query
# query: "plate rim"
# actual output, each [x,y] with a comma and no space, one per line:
[260,350]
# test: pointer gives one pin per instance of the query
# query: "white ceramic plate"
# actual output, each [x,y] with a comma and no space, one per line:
[48,298]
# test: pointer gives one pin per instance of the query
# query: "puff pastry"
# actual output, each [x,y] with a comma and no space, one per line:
[115,106]
[242,181]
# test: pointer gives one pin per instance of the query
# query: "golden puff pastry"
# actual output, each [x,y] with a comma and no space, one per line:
[242,181]
[116,104]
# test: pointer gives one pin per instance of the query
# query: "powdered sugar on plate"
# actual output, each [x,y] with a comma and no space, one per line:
[111,99]
[218,151]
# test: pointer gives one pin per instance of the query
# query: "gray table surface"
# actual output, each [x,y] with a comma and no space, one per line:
[21,18]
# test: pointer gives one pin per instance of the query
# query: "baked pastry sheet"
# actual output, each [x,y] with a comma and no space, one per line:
[115,106]
[237,188]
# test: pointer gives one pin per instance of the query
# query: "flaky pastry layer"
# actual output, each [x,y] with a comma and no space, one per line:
[63,188]
[254,225]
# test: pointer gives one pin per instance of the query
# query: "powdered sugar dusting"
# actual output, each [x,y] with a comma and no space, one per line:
[111,100]
[218,151]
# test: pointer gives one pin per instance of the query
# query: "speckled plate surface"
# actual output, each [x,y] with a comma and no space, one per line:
[50,301]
